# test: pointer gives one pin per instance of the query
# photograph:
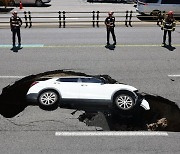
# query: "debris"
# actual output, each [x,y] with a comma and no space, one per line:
[161,124]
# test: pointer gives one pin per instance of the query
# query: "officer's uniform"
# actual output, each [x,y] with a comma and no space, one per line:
[160,17]
[110,24]
[15,24]
[168,26]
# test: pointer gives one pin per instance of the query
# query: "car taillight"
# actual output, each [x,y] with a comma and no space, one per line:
[33,83]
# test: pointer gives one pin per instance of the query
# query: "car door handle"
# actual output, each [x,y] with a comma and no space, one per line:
[83,85]
[56,83]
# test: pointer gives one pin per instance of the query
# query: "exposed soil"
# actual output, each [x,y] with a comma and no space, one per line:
[163,115]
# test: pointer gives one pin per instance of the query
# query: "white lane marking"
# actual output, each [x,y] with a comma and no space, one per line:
[11,77]
[173,75]
[112,133]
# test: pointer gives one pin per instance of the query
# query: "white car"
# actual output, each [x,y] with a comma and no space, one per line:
[90,91]
[36,2]
[153,6]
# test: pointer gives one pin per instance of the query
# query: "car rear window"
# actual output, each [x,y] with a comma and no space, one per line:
[91,80]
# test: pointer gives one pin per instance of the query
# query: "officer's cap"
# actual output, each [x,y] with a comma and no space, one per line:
[14,12]
[170,13]
[110,12]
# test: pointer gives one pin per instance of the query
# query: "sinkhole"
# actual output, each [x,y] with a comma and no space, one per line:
[163,115]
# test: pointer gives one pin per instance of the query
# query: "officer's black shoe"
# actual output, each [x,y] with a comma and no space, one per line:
[163,44]
[107,43]
[19,45]
[114,43]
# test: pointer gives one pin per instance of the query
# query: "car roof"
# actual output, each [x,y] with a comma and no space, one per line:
[75,77]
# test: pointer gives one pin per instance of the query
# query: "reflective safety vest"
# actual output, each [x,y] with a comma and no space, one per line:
[15,22]
[169,24]
[110,22]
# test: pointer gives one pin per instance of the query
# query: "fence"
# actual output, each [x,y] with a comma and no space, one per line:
[64,19]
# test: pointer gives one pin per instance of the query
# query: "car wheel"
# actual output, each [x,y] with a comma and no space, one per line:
[39,3]
[154,13]
[48,99]
[124,102]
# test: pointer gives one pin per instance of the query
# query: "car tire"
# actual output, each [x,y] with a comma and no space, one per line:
[48,100]
[154,13]
[124,103]
[39,3]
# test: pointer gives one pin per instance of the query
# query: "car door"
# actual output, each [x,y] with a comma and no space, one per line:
[89,90]
[68,88]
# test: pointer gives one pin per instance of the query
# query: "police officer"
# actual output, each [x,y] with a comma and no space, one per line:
[168,26]
[15,24]
[110,24]
[160,17]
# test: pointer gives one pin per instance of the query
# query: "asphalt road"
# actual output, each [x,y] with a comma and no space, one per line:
[47,142]
[138,60]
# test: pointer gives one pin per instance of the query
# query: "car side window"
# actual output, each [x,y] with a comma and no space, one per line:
[149,1]
[68,80]
[91,80]
[170,2]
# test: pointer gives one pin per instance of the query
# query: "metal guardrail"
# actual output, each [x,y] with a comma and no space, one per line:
[64,19]
[94,18]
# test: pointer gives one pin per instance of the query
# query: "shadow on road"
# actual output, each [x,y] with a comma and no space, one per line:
[16,49]
[33,5]
[110,47]
[170,48]
[5,10]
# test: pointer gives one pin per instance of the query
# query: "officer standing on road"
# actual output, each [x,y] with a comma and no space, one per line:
[110,24]
[160,17]
[15,24]
[168,26]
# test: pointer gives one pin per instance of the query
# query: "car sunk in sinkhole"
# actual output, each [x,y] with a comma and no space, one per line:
[86,91]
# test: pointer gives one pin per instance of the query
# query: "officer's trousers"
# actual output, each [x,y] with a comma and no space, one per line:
[14,32]
[169,36]
[110,30]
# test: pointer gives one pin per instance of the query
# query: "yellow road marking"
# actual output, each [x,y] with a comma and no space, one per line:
[86,45]
[119,45]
